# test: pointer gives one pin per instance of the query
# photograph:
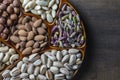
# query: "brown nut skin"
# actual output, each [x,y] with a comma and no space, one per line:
[16,3]
[6,31]
[27,51]
[16,10]
[7,2]
[15,39]
[4,36]
[1,28]
[37,23]
[13,17]
[2,20]
[9,22]
[28,27]
[4,14]
[10,1]
[10,9]
[26,19]
[20,20]
[3,7]
[1,11]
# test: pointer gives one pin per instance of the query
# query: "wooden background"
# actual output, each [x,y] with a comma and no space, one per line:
[102,19]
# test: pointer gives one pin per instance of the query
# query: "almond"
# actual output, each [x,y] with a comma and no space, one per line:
[15,39]
[28,27]
[30,35]
[35,50]
[36,45]
[22,38]
[27,51]
[41,30]
[37,23]
[22,33]
[39,38]
[30,43]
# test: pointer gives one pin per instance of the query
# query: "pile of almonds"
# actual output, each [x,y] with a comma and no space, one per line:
[29,35]
[9,13]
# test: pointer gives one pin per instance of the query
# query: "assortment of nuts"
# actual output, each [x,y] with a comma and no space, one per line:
[52,65]
[30,35]
[9,13]
[8,56]
[68,31]
[47,9]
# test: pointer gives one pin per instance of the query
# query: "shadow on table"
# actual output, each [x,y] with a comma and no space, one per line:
[87,63]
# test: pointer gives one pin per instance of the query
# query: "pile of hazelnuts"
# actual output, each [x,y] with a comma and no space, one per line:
[10,12]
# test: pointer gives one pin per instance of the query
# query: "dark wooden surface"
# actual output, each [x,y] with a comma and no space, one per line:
[102,19]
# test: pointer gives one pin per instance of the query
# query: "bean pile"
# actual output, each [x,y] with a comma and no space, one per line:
[68,30]
[9,13]
[8,56]
[47,9]
[29,35]
[52,65]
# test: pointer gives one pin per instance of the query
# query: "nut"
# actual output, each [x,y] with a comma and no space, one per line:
[10,9]
[26,51]
[13,17]
[15,39]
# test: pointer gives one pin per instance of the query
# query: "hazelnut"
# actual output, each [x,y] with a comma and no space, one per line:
[0,11]
[2,20]
[4,14]
[13,17]
[9,22]
[3,7]
[6,31]
[20,20]
[11,5]
[16,3]
[6,2]
[10,1]
[3,35]
[16,10]
[10,9]
[1,28]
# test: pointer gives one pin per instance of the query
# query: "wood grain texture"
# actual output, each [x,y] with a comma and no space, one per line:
[102,19]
